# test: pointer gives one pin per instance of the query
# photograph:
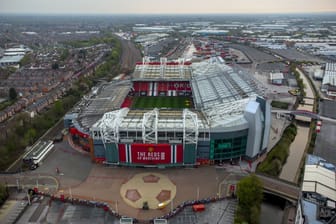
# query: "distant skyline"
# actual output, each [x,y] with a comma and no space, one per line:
[164,6]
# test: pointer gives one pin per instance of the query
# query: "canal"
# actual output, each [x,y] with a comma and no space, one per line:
[271,213]
[297,148]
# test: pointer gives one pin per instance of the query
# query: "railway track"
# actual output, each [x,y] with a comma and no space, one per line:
[130,55]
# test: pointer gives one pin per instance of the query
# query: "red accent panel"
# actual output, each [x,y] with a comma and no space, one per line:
[75,131]
[141,86]
[122,152]
[179,153]
[151,153]
[100,160]
[162,87]
[127,102]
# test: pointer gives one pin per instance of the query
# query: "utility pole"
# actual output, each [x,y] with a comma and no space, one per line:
[198,192]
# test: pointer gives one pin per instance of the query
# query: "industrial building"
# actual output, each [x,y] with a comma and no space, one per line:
[276,78]
[13,56]
[223,116]
[152,29]
[329,80]
[317,204]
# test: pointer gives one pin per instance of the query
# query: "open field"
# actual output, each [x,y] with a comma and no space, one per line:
[162,102]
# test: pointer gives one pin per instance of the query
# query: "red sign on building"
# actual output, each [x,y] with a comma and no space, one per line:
[151,153]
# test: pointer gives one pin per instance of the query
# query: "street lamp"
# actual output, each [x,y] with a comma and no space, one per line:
[198,192]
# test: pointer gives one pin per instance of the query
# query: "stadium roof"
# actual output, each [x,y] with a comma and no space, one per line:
[217,84]
[105,98]
[163,70]
[150,123]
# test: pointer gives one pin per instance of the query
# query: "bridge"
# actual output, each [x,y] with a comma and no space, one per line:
[271,185]
[305,113]
[280,188]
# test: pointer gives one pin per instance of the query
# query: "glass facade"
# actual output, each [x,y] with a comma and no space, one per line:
[224,149]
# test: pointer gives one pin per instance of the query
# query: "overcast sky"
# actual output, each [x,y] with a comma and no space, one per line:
[165,6]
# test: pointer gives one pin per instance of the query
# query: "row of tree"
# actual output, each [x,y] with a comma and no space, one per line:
[292,69]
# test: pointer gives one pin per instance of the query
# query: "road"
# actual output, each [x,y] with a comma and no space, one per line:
[323,118]
[276,185]
[25,180]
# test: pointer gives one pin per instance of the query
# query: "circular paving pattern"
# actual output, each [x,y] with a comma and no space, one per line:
[153,188]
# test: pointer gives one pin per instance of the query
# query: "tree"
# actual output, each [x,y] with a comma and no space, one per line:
[55,66]
[12,93]
[3,194]
[58,108]
[30,135]
[26,60]
[250,194]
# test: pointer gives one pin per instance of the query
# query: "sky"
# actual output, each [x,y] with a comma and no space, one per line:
[164,6]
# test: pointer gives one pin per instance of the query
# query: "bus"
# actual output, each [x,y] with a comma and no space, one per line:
[37,153]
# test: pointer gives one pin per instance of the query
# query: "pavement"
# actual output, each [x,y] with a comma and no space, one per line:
[105,183]
[150,188]
[79,178]
[325,145]
[12,208]
[221,212]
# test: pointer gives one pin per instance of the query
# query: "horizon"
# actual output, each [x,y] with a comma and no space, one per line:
[333,13]
[157,7]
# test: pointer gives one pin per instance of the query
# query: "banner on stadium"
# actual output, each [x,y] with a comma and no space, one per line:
[150,154]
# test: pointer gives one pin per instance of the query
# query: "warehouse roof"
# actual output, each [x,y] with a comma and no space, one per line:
[329,77]
[277,75]
[319,177]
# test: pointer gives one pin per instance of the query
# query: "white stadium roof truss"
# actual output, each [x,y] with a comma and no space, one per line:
[109,125]
[149,126]
[190,127]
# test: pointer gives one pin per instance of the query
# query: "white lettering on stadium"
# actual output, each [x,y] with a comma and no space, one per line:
[181,85]
[153,156]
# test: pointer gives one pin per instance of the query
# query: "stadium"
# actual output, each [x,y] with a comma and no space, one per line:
[173,114]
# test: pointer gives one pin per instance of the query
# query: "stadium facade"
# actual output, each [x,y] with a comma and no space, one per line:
[222,116]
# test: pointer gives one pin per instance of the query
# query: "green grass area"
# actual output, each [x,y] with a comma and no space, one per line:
[277,157]
[281,105]
[162,102]
[6,103]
